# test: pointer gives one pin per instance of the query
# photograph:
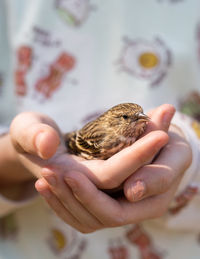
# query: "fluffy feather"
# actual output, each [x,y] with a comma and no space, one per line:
[114,130]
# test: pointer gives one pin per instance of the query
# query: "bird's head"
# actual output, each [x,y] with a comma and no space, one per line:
[126,118]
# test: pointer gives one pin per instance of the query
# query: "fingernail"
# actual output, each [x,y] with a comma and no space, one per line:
[138,190]
[40,187]
[167,117]
[38,140]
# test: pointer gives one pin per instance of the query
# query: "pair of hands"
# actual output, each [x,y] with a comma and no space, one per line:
[72,186]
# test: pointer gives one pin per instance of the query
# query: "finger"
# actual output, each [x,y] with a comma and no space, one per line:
[42,187]
[160,118]
[99,204]
[31,135]
[158,177]
[148,181]
[66,197]
[112,172]
[177,153]
[151,207]
[113,213]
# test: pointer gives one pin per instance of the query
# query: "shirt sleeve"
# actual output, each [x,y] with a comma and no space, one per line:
[184,210]
[23,194]
[191,130]
[27,195]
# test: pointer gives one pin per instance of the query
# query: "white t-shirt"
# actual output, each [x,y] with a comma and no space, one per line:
[72,59]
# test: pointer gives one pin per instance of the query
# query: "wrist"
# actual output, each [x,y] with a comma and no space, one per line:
[12,171]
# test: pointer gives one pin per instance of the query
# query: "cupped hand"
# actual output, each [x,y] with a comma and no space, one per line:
[82,205]
[35,138]
[160,177]
[39,143]
[103,174]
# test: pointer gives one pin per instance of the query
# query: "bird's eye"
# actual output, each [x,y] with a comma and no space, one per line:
[125,117]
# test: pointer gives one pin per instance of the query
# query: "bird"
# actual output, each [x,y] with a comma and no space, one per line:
[115,129]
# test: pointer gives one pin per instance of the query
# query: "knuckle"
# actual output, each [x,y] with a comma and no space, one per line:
[18,118]
[117,220]
[165,180]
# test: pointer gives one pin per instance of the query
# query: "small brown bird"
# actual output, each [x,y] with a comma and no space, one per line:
[112,131]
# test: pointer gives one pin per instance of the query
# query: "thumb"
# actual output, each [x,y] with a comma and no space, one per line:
[35,134]
[160,118]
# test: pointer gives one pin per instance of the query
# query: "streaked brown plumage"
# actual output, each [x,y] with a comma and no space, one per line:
[114,130]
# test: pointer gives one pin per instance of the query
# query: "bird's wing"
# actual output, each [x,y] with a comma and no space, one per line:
[89,139]
[70,142]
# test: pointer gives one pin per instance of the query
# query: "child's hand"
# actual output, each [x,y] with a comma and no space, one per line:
[82,205]
[164,174]
[73,208]
[35,138]
[39,143]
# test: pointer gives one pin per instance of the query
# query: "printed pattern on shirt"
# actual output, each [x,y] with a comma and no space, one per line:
[138,237]
[118,251]
[68,242]
[43,37]
[35,59]
[50,72]
[47,85]
[8,227]
[190,105]
[24,62]
[196,128]
[74,12]
[146,60]
[183,199]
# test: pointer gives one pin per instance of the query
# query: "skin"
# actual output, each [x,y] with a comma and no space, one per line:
[67,182]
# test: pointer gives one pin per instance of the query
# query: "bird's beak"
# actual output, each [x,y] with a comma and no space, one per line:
[142,117]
